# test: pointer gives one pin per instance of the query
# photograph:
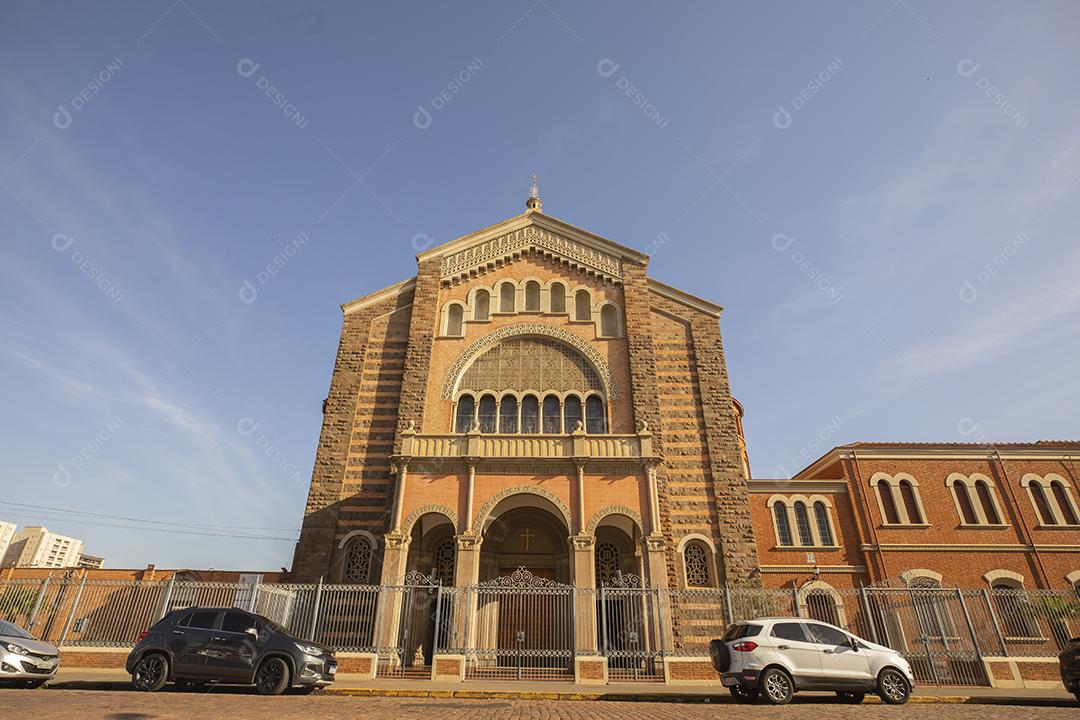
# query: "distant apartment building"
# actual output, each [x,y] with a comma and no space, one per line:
[35,546]
[7,532]
[91,561]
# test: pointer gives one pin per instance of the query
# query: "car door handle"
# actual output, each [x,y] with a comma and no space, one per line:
[218,638]
[783,647]
[177,632]
[827,652]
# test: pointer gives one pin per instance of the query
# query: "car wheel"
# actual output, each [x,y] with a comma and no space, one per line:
[776,687]
[850,697]
[744,694]
[272,677]
[150,673]
[893,688]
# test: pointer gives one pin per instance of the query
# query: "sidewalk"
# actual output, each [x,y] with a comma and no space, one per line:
[93,679]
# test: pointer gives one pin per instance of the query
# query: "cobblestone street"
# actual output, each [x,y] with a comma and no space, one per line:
[242,705]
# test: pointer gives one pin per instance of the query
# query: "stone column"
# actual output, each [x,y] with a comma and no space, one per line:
[395,558]
[655,528]
[401,465]
[466,573]
[583,549]
[467,521]
[579,500]
[656,564]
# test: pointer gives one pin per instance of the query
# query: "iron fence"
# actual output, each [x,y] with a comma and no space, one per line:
[532,628]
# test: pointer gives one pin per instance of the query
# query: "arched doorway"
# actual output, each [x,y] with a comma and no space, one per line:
[524,603]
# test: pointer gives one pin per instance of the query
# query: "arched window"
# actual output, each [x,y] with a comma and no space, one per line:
[783,527]
[552,415]
[595,419]
[532,296]
[888,502]
[802,524]
[1042,504]
[1064,502]
[357,561]
[443,562]
[507,293]
[608,563]
[582,306]
[558,297]
[571,413]
[508,414]
[487,415]
[466,409]
[821,514]
[609,321]
[911,504]
[481,305]
[821,606]
[986,500]
[963,499]
[455,318]
[530,414]
[696,562]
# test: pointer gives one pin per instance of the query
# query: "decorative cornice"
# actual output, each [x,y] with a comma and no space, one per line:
[599,515]
[489,506]
[787,486]
[684,298]
[986,547]
[823,569]
[493,338]
[486,254]
[407,525]
[371,298]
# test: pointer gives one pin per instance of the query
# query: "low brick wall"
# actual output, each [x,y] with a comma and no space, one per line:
[590,670]
[362,664]
[690,671]
[1037,673]
[448,668]
[94,657]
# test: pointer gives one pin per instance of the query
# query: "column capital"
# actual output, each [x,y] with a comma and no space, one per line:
[400,462]
[396,540]
[583,541]
[655,542]
[468,541]
[580,463]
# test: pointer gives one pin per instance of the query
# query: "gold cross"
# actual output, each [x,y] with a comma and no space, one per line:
[527,535]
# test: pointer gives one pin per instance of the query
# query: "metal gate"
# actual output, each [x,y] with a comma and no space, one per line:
[932,629]
[519,626]
[409,626]
[631,630]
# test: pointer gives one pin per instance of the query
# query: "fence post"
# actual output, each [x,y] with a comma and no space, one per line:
[254,596]
[573,627]
[71,614]
[315,611]
[997,627]
[37,604]
[970,625]
[438,619]
[166,601]
[603,623]
[660,621]
[795,602]
[468,616]
[727,604]
[377,632]
[869,615]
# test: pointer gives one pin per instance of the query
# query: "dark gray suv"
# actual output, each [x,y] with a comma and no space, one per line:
[197,646]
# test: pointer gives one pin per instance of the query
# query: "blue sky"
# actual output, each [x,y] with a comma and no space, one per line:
[883,196]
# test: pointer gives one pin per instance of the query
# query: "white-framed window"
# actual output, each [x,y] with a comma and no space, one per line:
[557,297]
[453,324]
[582,306]
[507,297]
[976,499]
[801,521]
[898,499]
[610,326]
[1051,496]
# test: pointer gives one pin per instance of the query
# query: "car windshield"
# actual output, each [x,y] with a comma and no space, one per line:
[12,630]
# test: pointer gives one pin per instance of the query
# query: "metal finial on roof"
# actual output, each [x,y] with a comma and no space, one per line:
[534,203]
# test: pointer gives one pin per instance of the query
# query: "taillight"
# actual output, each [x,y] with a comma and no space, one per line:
[745,646]
[142,636]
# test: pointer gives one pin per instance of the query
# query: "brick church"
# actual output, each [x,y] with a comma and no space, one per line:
[532,399]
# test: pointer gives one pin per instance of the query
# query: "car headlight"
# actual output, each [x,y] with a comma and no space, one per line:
[309,649]
[17,649]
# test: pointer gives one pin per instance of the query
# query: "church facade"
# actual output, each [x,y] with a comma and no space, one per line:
[530,399]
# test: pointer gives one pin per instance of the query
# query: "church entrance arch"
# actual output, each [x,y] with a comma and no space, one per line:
[524,603]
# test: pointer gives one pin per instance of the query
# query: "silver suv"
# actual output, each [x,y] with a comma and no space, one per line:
[776,657]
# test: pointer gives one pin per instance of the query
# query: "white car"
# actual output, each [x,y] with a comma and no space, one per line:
[776,657]
[24,661]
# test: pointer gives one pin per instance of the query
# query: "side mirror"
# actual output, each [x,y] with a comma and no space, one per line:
[253,632]
[854,644]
